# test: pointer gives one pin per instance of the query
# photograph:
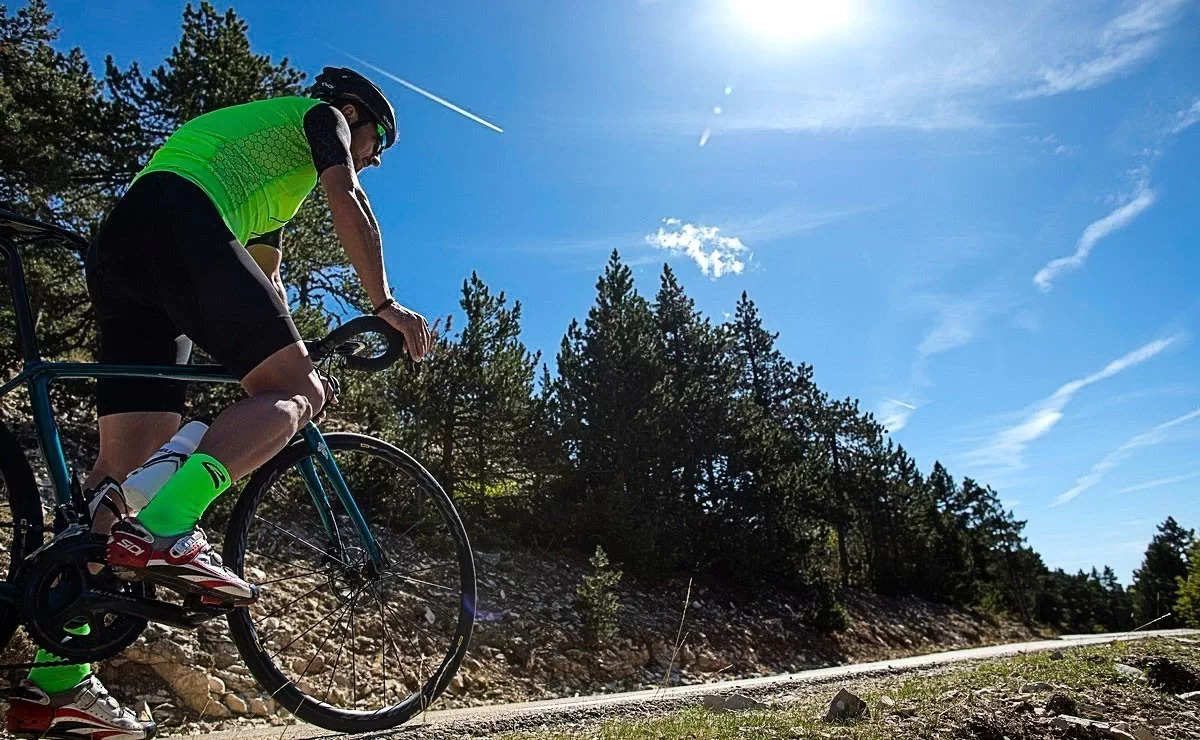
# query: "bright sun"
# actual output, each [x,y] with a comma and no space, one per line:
[790,20]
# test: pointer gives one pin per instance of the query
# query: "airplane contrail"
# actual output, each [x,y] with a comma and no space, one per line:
[908,406]
[419,91]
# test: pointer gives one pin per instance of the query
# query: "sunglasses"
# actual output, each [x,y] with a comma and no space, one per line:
[380,132]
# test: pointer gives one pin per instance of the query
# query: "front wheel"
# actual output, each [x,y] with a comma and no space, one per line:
[336,642]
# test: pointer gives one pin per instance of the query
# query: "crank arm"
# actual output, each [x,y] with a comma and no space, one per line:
[151,610]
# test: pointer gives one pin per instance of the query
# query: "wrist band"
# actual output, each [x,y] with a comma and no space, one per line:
[385,304]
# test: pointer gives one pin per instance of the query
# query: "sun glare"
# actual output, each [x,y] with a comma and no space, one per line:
[792,20]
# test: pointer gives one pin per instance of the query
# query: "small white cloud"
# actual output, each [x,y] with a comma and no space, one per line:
[1186,118]
[1008,445]
[1118,219]
[1149,438]
[715,255]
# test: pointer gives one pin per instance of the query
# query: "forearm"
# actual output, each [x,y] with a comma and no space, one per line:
[358,232]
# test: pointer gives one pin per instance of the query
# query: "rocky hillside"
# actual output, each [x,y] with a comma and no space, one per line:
[530,644]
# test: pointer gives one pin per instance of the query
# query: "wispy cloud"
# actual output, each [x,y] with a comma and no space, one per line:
[894,414]
[1149,438]
[1007,446]
[1118,219]
[714,254]
[1124,43]
[1159,483]
[1186,118]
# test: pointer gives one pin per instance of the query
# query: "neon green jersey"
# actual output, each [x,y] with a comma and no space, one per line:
[254,161]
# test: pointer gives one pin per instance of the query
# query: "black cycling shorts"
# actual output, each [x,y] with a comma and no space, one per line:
[165,268]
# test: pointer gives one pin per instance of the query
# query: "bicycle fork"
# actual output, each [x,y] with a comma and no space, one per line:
[316,489]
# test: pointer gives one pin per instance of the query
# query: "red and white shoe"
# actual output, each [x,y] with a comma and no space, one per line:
[86,711]
[185,563]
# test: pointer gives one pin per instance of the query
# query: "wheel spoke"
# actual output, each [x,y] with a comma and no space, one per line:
[324,572]
[304,542]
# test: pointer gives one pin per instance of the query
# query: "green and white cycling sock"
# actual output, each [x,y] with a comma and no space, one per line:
[59,678]
[183,499]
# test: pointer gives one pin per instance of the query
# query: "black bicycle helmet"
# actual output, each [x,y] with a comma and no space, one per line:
[336,84]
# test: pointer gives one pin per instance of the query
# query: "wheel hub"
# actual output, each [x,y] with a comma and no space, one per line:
[350,574]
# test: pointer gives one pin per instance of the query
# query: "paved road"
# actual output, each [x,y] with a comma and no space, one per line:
[489,720]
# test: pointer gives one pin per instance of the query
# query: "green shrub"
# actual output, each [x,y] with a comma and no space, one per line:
[596,598]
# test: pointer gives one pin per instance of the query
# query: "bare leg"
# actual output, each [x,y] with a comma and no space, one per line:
[127,440]
[284,394]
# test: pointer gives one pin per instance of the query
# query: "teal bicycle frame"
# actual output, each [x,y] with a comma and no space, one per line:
[37,375]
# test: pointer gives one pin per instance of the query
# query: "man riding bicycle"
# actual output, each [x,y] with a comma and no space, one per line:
[191,253]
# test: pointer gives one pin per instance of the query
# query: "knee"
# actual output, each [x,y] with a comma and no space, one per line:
[309,399]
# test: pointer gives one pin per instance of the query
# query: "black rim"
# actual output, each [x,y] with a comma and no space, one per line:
[333,637]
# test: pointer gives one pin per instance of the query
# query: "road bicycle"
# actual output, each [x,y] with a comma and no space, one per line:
[365,571]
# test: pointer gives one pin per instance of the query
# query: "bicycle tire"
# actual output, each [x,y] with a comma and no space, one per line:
[19,486]
[262,665]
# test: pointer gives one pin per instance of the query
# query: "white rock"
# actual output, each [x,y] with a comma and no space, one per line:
[1066,722]
[216,685]
[1128,670]
[236,704]
[730,703]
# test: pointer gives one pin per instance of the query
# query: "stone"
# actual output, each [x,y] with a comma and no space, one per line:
[1143,733]
[1036,687]
[144,712]
[1128,671]
[720,703]
[258,706]
[224,661]
[216,685]
[1067,723]
[1057,655]
[190,685]
[1061,704]
[887,701]
[1190,696]
[846,706]
[236,704]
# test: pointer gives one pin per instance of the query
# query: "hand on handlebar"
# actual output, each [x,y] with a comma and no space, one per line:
[418,340]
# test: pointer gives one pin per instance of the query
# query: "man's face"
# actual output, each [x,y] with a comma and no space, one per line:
[365,142]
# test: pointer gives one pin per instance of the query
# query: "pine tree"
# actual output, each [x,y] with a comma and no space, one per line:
[1187,602]
[608,371]
[1155,584]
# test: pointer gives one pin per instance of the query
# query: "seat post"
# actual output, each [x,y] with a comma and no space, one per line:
[20,297]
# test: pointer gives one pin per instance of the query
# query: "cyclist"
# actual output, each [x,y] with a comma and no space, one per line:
[192,253]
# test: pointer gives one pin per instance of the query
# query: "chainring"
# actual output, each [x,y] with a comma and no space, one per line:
[52,584]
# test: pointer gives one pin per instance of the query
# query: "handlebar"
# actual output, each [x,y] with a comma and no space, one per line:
[342,341]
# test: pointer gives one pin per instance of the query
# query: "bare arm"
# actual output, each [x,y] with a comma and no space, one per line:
[267,253]
[357,230]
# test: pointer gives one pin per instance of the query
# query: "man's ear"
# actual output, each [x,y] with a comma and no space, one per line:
[350,112]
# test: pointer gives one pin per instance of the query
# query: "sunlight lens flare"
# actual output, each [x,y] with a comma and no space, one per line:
[791,20]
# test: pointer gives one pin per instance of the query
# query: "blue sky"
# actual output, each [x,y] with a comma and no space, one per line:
[980,219]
